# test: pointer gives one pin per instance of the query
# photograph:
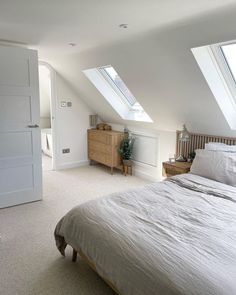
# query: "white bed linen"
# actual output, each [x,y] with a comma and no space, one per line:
[216,165]
[218,146]
[173,237]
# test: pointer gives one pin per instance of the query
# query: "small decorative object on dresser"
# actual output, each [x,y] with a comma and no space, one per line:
[171,169]
[103,147]
[103,126]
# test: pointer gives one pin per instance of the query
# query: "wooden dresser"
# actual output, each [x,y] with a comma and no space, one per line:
[103,147]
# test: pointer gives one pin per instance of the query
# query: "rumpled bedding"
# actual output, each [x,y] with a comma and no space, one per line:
[172,237]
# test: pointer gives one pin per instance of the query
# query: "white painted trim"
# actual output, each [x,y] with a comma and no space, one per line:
[53,106]
[140,134]
[72,165]
[217,82]
[145,175]
[221,65]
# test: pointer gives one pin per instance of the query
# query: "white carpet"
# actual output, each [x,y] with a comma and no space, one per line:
[29,260]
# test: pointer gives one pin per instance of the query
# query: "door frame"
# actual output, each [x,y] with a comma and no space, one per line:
[53,106]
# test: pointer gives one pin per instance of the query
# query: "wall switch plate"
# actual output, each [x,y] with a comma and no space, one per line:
[63,104]
[66,151]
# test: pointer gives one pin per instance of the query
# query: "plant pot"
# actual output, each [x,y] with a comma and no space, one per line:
[127,167]
[127,163]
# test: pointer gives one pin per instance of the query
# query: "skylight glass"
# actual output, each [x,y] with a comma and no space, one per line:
[116,79]
[112,87]
[229,52]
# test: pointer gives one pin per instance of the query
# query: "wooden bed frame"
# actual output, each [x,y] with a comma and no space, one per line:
[91,264]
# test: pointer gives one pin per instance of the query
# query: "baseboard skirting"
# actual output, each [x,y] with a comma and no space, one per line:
[137,172]
[71,165]
[145,175]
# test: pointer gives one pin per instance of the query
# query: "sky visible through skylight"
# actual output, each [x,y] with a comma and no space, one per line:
[111,72]
[230,56]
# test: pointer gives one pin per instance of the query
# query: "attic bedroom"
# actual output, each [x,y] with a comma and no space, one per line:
[118,147]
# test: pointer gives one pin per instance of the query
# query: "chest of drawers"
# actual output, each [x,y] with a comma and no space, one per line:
[103,147]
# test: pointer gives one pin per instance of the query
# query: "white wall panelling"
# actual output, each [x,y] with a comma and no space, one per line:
[145,149]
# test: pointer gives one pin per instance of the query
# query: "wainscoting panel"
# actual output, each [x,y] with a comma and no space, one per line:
[145,149]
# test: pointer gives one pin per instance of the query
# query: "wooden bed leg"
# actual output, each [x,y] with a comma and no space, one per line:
[74,255]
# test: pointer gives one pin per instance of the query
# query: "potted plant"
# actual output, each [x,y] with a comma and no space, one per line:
[126,150]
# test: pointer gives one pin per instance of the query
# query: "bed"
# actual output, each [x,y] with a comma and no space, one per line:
[172,237]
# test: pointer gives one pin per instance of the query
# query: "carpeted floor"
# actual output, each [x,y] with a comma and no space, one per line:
[29,260]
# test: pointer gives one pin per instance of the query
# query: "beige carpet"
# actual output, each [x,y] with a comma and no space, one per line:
[46,162]
[29,260]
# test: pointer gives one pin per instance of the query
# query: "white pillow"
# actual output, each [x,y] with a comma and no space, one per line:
[215,165]
[218,146]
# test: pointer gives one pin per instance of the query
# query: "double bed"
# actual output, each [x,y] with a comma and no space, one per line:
[177,236]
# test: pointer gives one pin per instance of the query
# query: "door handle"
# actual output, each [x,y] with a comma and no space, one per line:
[33,126]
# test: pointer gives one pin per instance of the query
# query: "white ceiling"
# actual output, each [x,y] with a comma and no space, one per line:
[50,25]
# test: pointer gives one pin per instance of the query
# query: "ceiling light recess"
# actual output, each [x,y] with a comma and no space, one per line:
[123,26]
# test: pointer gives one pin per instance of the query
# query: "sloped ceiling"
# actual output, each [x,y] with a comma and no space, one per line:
[152,56]
[162,73]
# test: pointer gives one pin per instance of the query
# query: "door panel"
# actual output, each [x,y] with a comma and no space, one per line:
[10,77]
[8,148]
[20,147]
[23,179]
[15,111]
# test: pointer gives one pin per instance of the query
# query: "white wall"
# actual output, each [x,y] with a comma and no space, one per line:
[44,94]
[45,122]
[72,124]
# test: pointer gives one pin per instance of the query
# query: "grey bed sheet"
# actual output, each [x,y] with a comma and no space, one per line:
[172,237]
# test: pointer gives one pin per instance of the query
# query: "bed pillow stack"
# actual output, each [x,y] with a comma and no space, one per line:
[220,147]
[216,162]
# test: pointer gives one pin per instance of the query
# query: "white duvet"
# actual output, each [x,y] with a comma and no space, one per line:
[172,237]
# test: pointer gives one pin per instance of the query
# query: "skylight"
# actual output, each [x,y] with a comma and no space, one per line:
[218,65]
[112,87]
[115,78]
[229,51]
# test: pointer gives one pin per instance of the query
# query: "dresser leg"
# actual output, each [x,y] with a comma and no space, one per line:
[111,170]
[126,169]
[74,255]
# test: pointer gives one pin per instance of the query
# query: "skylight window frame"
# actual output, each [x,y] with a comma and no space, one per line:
[119,92]
[224,68]
[115,98]
[225,59]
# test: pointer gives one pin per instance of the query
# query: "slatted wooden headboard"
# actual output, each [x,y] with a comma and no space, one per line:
[197,141]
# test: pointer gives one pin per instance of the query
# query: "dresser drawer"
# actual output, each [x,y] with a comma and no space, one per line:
[171,171]
[100,157]
[100,137]
[99,147]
